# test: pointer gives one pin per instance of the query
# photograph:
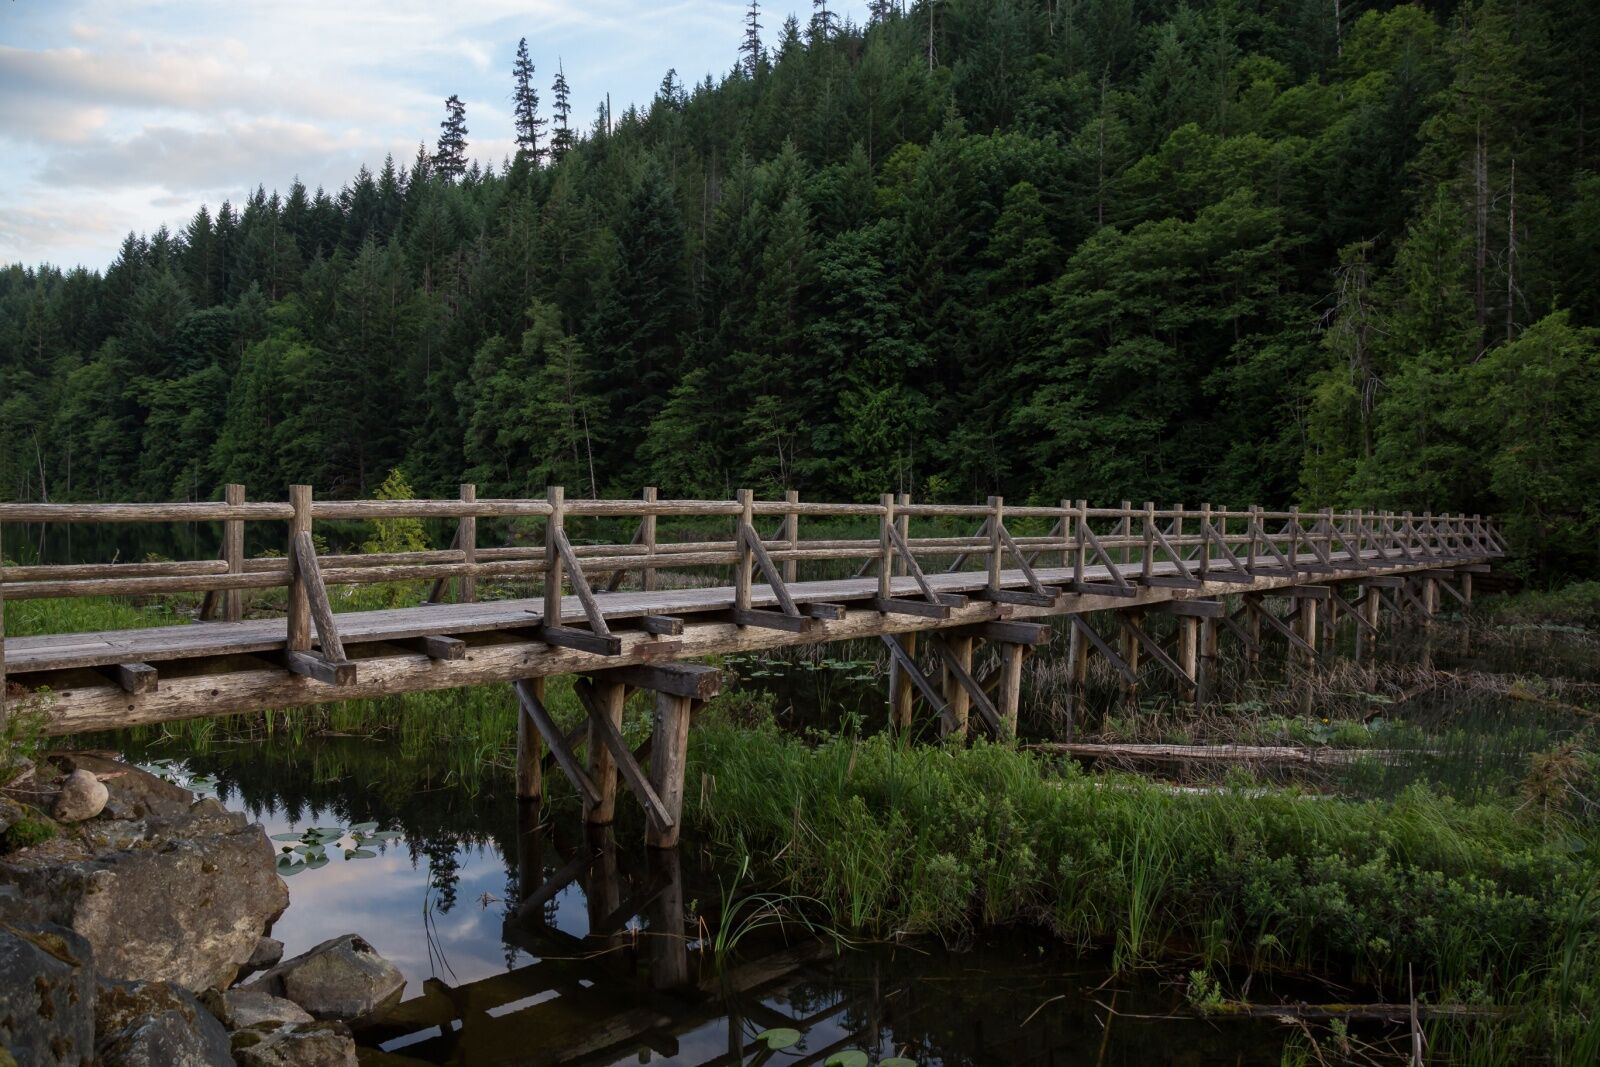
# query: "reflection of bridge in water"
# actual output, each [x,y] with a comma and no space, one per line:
[640,981]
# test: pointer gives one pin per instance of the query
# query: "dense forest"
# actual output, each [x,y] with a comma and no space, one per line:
[1316,251]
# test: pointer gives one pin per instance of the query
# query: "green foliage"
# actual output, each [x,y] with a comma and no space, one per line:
[915,838]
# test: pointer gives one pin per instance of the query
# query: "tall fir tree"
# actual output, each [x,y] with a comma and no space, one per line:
[561,138]
[750,47]
[450,160]
[525,107]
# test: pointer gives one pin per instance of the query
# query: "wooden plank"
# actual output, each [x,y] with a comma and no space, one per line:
[661,625]
[694,680]
[137,677]
[313,666]
[580,585]
[897,606]
[772,620]
[898,541]
[1199,609]
[621,757]
[1022,562]
[825,611]
[1015,633]
[1025,597]
[533,707]
[441,647]
[607,644]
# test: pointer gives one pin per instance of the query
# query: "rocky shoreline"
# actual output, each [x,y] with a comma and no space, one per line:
[130,918]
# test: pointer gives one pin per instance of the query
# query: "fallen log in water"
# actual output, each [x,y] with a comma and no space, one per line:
[1277,754]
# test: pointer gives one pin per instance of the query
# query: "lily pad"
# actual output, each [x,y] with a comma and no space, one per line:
[363,827]
[780,1037]
[850,1057]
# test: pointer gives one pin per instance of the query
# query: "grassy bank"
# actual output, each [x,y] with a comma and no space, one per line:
[1486,906]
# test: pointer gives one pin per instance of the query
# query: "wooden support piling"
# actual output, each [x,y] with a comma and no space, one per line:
[1189,655]
[1129,621]
[902,689]
[1010,695]
[668,763]
[608,697]
[956,697]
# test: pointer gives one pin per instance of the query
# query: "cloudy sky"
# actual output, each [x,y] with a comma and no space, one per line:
[119,115]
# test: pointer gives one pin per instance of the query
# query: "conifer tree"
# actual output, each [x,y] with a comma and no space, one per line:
[824,23]
[751,47]
[561,139]
[450,161]
[525,106]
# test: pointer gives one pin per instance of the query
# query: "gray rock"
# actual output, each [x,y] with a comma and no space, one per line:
[156,1024]
[269,951]
[241,1009]
[344,978]
[324,1044]
[46,996]
[167,897]
[82,796]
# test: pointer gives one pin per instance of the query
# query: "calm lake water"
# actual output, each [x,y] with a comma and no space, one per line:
[526,940]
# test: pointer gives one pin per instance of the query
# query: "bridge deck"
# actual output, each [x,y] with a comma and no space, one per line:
[164,644]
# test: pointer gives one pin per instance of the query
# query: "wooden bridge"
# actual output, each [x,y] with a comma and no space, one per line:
[639,609]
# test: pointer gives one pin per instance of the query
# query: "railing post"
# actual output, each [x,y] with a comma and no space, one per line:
[1177,537]
[791,534]
[233,552]
[1359,545]
[1255,534]
[1409,533]
[1066,534]
[1149,540]
[647,526]
[1126,531]
[1327,532]
[745,574]
[299,614]
[1077,555]
[902,522]
[996,545]
[467,589]
[1205,540]
[553,572]
[885,547]
[1294,537]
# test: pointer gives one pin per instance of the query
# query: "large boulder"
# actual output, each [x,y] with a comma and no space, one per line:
[156,1024]
[163,888]
[323,1044]
[344,978]
[46,996]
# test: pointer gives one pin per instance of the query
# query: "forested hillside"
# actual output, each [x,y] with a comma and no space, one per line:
[1237,251]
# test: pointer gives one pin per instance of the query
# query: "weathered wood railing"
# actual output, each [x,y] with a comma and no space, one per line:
[1104,550]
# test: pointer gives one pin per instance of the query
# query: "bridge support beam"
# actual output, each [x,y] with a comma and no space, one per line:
[606,702]
[956,697]
[902,690]
[1010,695]
[669,752]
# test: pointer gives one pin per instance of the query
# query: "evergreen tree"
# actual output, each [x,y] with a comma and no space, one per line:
[525,107]
[450,159]
[750,47]
[561,138]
